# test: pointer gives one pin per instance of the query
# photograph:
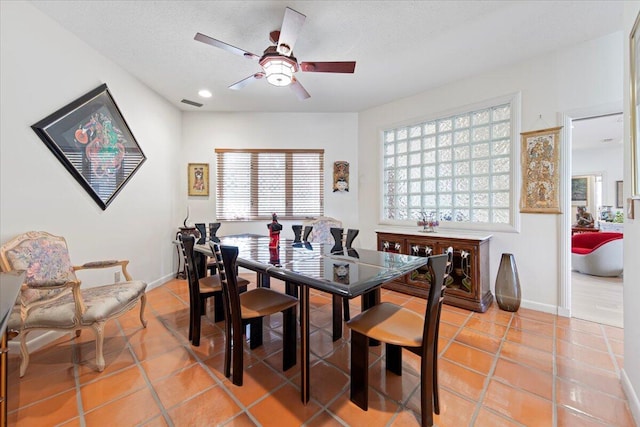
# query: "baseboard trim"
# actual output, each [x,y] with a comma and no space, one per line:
[37,340]
[632,397]
[161,281]
[546,308]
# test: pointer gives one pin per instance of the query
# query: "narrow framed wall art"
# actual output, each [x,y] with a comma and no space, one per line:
[198,179]
[540,171]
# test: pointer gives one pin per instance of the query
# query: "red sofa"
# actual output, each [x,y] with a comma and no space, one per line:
[598,254]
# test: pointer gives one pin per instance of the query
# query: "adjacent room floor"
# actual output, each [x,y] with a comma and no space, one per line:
[597,299]
[495,369]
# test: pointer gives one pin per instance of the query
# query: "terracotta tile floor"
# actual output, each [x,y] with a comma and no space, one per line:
[496,369]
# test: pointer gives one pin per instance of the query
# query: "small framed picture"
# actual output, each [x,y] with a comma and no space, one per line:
[340,176]
[630,212]
[198,179]
[580,190]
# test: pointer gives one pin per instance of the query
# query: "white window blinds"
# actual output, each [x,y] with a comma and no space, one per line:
[253,184]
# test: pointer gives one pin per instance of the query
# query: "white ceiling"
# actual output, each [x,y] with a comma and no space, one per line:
[597,132]
[401,47]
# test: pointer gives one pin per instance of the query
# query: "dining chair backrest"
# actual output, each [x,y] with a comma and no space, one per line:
[336,233]
[307,231]
[202,230]
[187,241]
[226,257]
[213,229]
[297,233]
[437,266]
[339,237]
[352,233]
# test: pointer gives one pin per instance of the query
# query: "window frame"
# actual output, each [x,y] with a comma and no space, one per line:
[254,184]
[513,225]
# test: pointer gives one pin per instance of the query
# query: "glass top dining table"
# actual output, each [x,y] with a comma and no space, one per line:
[339,271]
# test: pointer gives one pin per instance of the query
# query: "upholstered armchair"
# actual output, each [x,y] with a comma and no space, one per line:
[51,297]
[321,231]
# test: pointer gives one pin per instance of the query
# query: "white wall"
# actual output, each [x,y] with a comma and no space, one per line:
[549,85]
[631,373]
[605,161]
[335,132]
[44,67]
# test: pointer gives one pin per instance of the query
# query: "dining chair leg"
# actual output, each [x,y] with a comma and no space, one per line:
[255,328]
[360,370]
[426,393]
[436,396]
[289,338]
[191,321]
[218,307]
[237,353]
[394,358]
[227,349]
[196,319]
[337,316]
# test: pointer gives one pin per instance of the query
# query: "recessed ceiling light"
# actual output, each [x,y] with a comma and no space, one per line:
[204,93]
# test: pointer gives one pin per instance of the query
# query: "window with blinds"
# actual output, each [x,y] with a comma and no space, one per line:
[253,184]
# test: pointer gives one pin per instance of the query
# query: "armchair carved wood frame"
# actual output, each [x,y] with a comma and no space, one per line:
[52,299]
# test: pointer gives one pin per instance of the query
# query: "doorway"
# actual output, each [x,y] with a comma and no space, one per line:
[596,168]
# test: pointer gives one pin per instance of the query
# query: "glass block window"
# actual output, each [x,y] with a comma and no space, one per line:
[458,167]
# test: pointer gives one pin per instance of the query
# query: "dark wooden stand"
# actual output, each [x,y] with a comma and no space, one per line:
[468,283]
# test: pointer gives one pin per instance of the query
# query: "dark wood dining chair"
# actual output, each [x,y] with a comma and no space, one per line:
[204,238]
[200,289]
[297,233]
[250,308]
[400,328]
[306,232]
[338,237]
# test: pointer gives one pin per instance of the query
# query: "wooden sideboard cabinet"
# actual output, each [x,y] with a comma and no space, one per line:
[467,284]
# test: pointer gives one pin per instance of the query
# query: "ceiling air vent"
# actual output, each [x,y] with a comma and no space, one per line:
[195,104]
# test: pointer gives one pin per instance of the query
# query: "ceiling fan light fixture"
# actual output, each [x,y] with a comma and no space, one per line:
[279,70]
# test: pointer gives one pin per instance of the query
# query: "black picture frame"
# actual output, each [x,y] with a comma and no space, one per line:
[92,140]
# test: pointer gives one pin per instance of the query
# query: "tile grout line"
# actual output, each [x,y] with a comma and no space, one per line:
[76,375]
[152,390]
[487,381]
[612,355]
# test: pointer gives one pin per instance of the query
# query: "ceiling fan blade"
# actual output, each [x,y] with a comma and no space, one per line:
[328,67]
[222,45]
[291,25]
[242,83]
[299,90]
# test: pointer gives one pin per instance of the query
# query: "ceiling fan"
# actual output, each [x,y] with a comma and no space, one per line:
[277,62]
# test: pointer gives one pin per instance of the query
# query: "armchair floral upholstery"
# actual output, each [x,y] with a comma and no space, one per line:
[51,297]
